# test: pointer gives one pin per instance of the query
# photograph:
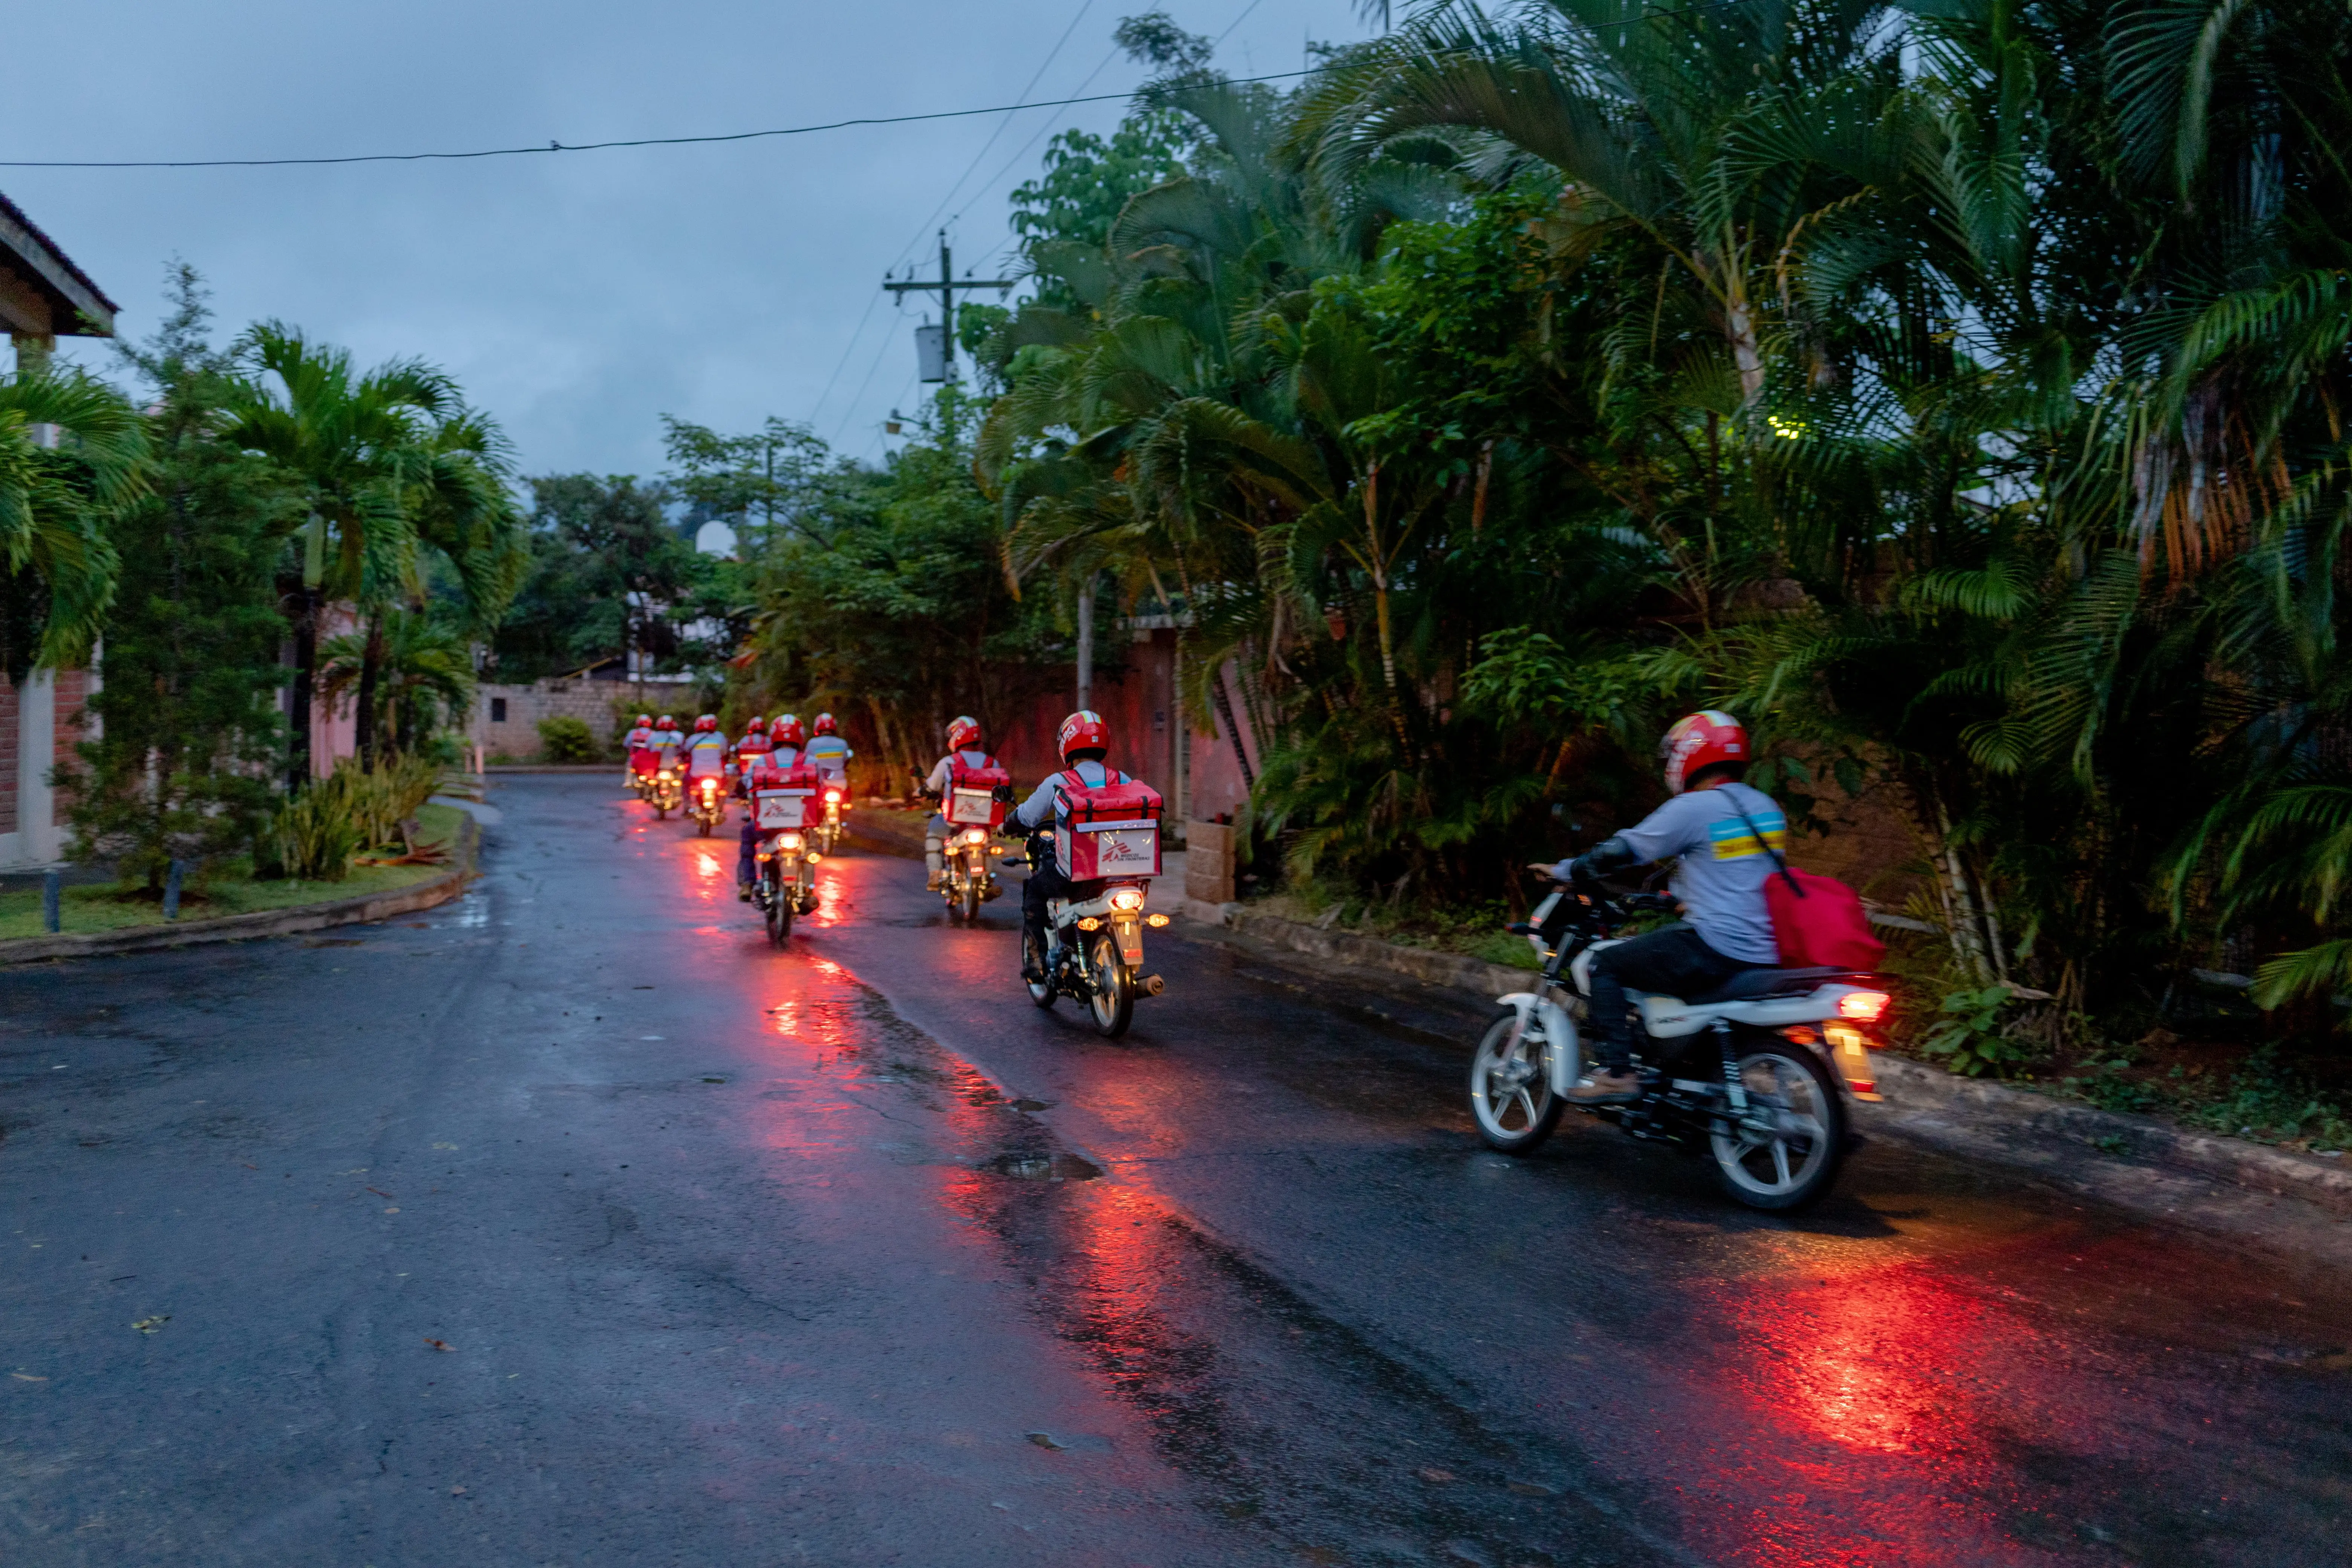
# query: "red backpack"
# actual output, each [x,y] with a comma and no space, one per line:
[1818,922]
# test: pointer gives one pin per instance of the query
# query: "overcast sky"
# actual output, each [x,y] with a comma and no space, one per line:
[577,296]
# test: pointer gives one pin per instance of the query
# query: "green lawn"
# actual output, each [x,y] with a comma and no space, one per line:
[102,908]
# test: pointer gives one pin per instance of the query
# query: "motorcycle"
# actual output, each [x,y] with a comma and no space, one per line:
[1754,1075]
[784,858]
[706,803]
[666,793]
[1094,941]
[784,883]
[836,808]
[968,877]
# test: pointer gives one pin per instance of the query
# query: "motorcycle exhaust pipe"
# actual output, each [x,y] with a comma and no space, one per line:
[1153,985]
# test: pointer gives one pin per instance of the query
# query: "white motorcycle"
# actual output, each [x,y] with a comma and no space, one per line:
[1753,1075]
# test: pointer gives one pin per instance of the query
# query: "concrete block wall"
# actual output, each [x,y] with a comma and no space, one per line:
[590,701]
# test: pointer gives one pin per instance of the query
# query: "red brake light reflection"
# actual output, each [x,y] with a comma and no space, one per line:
[1865,1005]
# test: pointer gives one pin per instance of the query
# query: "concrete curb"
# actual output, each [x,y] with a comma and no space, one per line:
[1925,1104]
[358,910]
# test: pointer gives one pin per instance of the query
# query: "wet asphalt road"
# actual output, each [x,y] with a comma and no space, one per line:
[573,1224]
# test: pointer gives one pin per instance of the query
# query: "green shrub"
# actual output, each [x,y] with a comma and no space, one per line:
[1971,1033]
[564,739]
[351,809]
[318,833]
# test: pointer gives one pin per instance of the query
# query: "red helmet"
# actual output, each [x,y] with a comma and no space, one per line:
[1696,742]
[1083,731]
[825,724]
[665,723]
[751,726]
[708,722]
[963,731]
[787,731]
[645,721]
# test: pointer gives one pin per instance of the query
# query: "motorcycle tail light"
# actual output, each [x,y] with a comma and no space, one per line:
[788,841]
[1128,899]
[1864,1006]
[1155,920]
[833,795]
[977,836]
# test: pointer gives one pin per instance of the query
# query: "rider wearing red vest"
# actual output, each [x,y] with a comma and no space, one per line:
[781,753]
[964,750]
[1083,741]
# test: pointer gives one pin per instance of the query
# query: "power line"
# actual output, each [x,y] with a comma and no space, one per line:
[589,146]
[850,348]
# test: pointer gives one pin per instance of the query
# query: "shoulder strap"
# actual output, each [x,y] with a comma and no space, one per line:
[1779,863]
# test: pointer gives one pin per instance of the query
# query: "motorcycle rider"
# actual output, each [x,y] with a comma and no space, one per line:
[1083,741]
[830,754]
[784,740]
[964,746]
[1718,830]
[637,745]
[754,745]
[665,742]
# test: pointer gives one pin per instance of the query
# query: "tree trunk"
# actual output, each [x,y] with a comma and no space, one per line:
[1086,642]
[305,668]
[1233,730]
[371,673]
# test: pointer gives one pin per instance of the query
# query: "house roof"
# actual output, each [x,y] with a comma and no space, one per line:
[41,290]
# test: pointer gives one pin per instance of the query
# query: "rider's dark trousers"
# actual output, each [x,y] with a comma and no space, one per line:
[1676,961]
[744,863]
[1046,881]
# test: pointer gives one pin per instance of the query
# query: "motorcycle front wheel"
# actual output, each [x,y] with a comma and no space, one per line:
[1784,1151]
[1113,1001]
[1511,1087]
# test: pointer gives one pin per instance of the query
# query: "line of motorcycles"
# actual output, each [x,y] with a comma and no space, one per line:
[799,825]
[1754,1077]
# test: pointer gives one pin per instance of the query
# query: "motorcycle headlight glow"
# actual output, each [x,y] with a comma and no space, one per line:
[788,841]
[1126,899]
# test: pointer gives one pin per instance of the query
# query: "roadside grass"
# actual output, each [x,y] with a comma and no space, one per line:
[109,906]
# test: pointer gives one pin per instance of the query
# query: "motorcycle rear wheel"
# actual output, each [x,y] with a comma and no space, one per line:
[971,903]
[780,915]
[1113,1002]
[1510,1088]
[1784,1154]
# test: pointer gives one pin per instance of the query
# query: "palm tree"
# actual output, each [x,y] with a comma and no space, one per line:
[424,675]
[393,459]
[57,567]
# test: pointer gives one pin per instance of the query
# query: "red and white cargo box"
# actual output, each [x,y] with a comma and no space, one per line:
[781,797]
[972,796]
[1107,830]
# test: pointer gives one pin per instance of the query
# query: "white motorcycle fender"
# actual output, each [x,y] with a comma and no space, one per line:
[1563,1050]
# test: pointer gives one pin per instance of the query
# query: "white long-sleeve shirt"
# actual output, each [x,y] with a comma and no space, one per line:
[943,770]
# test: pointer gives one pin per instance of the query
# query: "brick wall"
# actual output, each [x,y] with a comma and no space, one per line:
[68,733]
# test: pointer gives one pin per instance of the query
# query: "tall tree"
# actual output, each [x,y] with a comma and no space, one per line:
[190,732]
[390,460]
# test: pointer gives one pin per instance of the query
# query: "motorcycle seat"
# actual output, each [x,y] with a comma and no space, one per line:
[1754,984]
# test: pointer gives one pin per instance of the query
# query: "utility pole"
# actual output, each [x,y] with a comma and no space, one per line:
[946,288]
